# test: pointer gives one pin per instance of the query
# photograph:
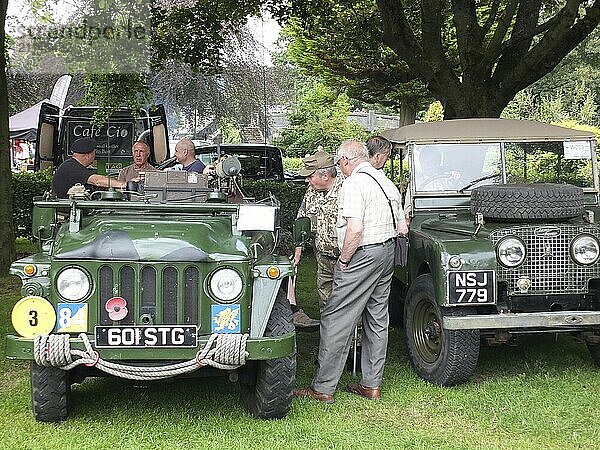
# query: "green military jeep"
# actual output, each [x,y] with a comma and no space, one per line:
[175,277]
[503,239]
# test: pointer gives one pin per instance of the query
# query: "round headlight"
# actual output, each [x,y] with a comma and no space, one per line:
[226,284]
[510,251]
[585,249]
[73,284]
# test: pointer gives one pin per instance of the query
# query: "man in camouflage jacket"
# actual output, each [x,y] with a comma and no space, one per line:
[320,203]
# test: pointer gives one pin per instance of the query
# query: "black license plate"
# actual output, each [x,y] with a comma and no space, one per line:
[146,336]
[475,287]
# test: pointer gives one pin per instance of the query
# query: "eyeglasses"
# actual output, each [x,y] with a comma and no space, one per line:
[338,159]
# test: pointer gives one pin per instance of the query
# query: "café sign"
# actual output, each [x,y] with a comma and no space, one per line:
[112,138]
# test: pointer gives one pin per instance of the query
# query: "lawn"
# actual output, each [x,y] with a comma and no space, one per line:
[544,393]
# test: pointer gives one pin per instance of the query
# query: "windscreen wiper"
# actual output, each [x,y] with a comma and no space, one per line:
[477,180]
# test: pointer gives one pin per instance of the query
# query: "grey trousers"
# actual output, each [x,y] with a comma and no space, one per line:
[362,290]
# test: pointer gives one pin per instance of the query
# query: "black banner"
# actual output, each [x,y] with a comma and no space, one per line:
[113,138]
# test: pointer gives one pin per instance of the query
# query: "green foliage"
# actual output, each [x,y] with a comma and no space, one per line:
[579,105]
[472,56]
[434,113]
[318,118]
[110,91]
[292,163]
[231,135]
[289,195]
[341,42]
[576,81]
[27,185]
[195,33]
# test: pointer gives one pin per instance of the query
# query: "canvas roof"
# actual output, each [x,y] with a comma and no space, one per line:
[484,130]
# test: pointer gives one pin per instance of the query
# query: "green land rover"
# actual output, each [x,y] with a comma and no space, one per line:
[503,239]
[177,276]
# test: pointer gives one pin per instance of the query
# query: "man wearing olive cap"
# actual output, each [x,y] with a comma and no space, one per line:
[320,203]
[75,170]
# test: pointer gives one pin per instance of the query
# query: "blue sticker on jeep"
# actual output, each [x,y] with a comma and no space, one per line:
[225,318]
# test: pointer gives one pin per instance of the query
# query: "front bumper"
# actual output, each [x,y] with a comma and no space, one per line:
[258,349]
[558,319]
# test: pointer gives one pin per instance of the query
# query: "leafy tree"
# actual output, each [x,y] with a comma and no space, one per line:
[578,105]
[7,233]
[239,93]
[471,56]
[318,119]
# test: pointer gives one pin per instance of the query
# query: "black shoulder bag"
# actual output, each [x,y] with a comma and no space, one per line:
[400,241]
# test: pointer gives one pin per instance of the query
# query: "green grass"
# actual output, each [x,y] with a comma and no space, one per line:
[545,393]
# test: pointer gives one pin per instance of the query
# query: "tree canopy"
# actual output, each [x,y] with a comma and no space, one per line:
[471,56]
[319,118]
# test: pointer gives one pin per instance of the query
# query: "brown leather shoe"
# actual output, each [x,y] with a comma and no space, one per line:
[310,392]
[363,391]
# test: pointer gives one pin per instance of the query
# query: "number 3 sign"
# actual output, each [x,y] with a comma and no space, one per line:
[33,315]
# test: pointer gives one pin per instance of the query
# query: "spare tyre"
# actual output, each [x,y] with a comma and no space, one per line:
[514,202]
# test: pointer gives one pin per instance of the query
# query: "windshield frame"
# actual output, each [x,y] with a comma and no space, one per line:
[411,146]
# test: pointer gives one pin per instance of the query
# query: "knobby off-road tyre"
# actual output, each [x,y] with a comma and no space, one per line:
[541,201]
[50,393]
[440,356]
[269,394]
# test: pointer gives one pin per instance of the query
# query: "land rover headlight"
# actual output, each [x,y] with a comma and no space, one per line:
[73,284]
[510,251]
[226,284]
[585,249]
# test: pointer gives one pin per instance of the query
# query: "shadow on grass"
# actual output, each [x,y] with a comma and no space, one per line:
[97,398]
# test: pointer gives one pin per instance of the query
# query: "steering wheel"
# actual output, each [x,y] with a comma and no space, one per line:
[439,176]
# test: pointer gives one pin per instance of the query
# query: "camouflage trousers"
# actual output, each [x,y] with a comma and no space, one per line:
[325,266]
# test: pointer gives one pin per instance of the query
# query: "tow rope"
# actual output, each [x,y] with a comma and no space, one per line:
[54,350]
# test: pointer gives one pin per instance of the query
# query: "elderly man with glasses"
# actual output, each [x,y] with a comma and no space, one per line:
[362,277]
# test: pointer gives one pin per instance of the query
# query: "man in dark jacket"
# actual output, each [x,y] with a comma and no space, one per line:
[75,170]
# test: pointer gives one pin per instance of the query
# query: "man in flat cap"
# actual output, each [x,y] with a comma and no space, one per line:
[320,203]
[75,170]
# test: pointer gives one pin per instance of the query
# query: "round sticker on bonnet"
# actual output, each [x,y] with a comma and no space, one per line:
[33,315]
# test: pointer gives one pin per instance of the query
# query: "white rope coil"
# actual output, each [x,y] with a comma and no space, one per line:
[55,350]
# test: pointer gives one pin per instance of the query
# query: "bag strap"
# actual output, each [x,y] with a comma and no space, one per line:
[386,196]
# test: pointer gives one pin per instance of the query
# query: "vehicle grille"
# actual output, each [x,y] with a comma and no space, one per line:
[548,263]
[169,294]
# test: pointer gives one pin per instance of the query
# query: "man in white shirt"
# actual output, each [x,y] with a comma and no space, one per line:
[362,277]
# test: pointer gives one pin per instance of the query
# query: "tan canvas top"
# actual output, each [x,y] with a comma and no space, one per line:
[483,130]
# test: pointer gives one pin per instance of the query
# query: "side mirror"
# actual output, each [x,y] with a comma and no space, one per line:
[301,231]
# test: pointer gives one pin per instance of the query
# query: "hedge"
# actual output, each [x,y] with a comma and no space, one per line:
[27,185]
[289,195]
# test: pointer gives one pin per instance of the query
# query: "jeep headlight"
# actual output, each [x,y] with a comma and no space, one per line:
[585,249]
[510,251]
[73,284]
[226,284]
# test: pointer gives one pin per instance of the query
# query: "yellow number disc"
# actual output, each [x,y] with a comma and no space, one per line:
[33,315]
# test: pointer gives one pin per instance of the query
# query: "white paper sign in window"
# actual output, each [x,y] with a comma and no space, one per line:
[577,150]
[256,218]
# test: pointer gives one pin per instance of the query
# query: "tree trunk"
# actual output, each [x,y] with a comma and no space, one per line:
[7,234]
[407,114]
[475,101]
